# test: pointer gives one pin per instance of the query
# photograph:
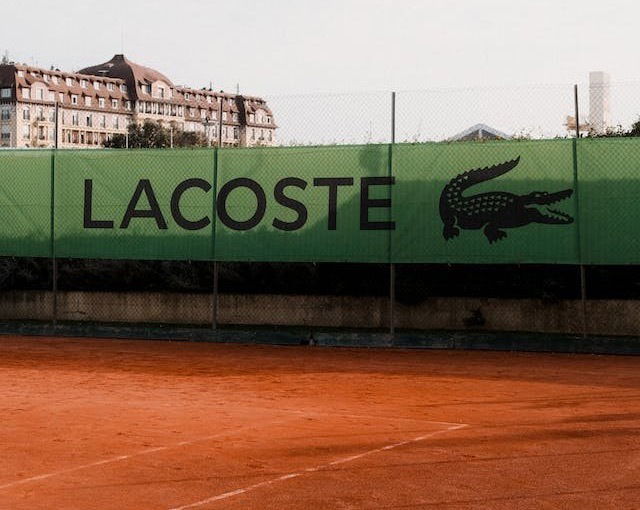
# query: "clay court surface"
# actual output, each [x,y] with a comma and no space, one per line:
[112,424]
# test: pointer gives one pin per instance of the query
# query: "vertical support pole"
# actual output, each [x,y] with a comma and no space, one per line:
[583,276]
[54,260]
[214,304]
[392,266]
[220,121]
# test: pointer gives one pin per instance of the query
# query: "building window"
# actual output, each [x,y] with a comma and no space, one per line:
[83,84]
[116,122]
[235,133]
[224,115]
[60,97]
[74,119]
[6,114]
[161,92]
[26,131]
[87,101]
[96,85]
[187,95]
[21,73]
[101,102]
[5,93]
[26,93]
[69,82]
[89,120]
[55,79]
[146,88]
[26,114]
[6,133]
[123,88]
[128,105]
[270,135]
[74,99]
[103,121]
[114,103]
[110,86]
[252,118]
[253,134]
[40,113]
[42,133]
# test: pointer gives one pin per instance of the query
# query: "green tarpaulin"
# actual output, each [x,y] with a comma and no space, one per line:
[548,201]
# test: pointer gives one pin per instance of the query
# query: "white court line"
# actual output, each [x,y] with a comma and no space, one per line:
[344,460]
[134,454]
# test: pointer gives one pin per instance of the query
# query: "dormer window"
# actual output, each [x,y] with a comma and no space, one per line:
[187,96]
[146,88]
[83,84]
[69,82]
[123,88]
[110,86]
[96,85]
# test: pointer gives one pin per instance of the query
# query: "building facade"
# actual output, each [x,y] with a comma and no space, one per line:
[100,101]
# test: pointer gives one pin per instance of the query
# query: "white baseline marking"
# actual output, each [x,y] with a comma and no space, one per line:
[134,454]
[344,460]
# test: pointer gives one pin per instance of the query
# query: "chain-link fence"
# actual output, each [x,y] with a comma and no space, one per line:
[369,231]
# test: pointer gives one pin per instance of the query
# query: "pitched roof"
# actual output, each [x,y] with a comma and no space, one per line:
[121,67]
[480,129]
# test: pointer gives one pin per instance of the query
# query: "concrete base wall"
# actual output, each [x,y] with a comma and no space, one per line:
[605,317]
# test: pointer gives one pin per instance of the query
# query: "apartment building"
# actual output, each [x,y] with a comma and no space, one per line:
[100,101]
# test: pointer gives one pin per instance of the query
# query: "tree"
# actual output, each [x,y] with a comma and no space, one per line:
[5,58]
[153,135]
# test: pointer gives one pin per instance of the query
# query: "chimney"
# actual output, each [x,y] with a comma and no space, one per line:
[599,101]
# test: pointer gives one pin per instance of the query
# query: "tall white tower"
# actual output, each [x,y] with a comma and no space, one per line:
[599,101]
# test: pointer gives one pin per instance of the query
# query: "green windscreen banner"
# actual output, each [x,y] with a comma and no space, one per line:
[141,204]
[25,203]
[546,201]
[304,204]
[494,202]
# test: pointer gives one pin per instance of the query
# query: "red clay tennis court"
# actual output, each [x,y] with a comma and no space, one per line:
[113,424]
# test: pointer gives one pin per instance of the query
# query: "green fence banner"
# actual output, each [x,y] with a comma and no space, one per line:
[548,201]
[25,203]
[609,200]
[139,204]
[304,204]
[487,203]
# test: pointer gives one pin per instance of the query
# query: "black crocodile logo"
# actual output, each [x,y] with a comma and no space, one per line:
[496,210]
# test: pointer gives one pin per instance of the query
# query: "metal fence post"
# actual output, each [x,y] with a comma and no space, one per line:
[583,276]
[214,297]
[392,266]
[54,260]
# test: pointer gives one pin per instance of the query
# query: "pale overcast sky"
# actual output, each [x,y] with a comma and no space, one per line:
[285,47]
